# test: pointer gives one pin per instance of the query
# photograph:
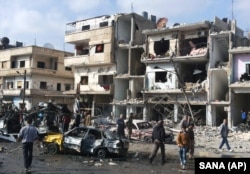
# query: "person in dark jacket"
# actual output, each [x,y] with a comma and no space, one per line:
[121,127]
[190,131]
[158,138]
[224,134]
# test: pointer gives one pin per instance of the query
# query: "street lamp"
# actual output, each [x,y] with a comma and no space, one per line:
[24,87]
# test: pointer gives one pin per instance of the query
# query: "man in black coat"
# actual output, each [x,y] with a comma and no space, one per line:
[158,138]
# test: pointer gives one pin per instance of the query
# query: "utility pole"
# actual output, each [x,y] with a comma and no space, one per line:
[24,87]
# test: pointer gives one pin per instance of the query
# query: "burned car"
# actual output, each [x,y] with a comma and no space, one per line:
[142,130]
[86,141]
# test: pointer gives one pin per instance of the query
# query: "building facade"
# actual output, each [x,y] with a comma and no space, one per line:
[188,70]
[128,63]
[108,72]
[33,74]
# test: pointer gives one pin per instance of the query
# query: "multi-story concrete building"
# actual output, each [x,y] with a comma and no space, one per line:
[108,72]
[126,63]
[33,74]
[240,81]
[188,71]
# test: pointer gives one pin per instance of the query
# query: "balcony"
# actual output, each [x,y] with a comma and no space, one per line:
[28,92]
[93,89]
[76,60]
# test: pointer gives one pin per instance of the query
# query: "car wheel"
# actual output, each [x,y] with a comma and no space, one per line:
[52,148]
[148,139]
[101,153]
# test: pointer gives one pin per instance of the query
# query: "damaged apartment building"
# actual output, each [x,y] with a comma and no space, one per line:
[189,71]
[127,63]
[33,74]
[108,73]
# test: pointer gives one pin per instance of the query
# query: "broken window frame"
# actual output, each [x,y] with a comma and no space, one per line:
[105,81]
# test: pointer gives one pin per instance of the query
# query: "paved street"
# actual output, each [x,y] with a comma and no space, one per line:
[135,163]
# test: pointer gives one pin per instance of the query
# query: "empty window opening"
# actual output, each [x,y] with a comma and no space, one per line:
[195,46]
[40,64]
[22,64]
[67,68]
[104,24]
[85,27]
[58,87]
[82,49]
[13,64]
[10,85]
[55,65]
[84,80]
[161,46]
[160,76]
[105,81]
[43,85]
[67,87]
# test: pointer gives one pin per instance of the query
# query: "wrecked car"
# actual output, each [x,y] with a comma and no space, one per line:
[142,130]
[86,140]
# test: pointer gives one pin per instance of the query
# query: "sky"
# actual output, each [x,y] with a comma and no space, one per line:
[44,21]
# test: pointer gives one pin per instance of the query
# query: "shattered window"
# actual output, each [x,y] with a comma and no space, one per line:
[160,76]
[94,134]
[161,46]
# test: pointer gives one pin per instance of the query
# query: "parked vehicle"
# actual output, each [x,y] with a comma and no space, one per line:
[142,130]
[86,140]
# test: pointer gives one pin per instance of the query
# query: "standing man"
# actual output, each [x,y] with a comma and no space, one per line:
[120,127]
[66,118]
[243,116]
[191,140]
[224,134]
[28,134]
[182,141]
[184,122]
[158,138]
[130,125]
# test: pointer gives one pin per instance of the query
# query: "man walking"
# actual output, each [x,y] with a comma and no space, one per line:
[224,134]
[158,138]
[28,134]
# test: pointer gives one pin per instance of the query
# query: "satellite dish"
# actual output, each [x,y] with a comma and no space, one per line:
[162,23]
[48,45]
